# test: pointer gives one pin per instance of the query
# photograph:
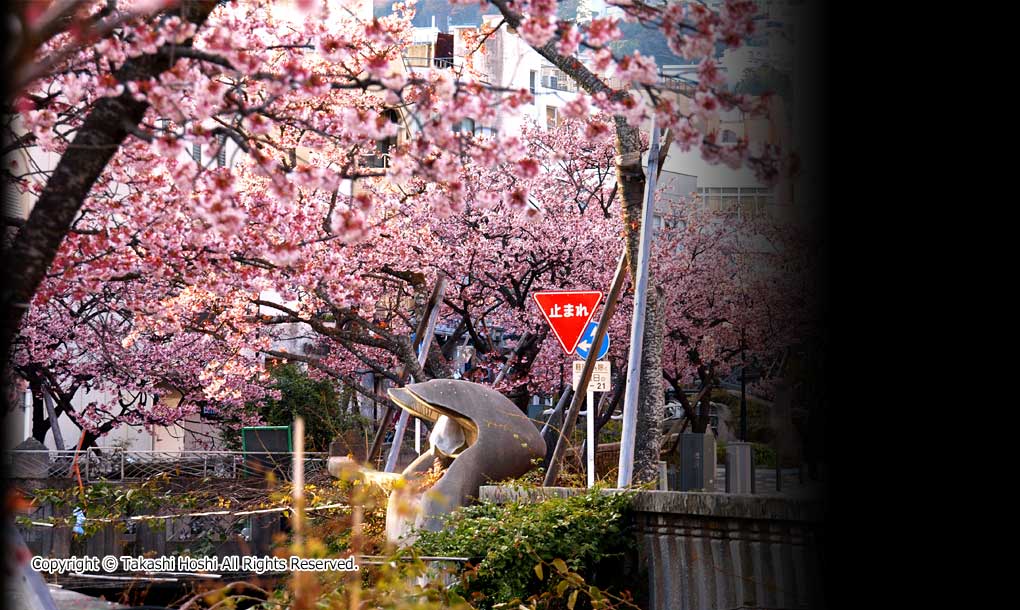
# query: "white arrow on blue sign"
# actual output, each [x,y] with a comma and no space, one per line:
[584,345]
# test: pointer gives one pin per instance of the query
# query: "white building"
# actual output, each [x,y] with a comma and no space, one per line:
[505,61]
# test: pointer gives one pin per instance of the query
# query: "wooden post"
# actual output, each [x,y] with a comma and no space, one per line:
[75,470]
[51,411]
[423,352]
[384,424]
[380,435]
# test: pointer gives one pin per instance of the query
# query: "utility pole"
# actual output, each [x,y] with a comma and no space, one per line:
[637,329]
[743,389]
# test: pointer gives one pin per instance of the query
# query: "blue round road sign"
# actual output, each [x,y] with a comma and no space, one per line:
[584,345]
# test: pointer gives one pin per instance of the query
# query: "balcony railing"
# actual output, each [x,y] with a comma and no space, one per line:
[417,61]
[683,86]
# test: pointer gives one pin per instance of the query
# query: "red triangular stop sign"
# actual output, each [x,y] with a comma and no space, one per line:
[568,313]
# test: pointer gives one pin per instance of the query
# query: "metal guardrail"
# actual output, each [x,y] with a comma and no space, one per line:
[112,464]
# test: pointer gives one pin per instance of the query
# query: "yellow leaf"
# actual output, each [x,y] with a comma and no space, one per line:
[560,565]
[572,600]
[538,570]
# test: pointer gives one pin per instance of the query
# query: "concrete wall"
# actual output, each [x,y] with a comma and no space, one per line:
[705,551]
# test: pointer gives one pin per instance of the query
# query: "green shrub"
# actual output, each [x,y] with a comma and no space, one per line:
[586,532]
[318,401]
[764,455]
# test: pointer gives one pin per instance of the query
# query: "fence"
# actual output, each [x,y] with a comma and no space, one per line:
[112,464]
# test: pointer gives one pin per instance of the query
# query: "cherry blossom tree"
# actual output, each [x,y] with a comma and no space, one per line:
[71,350]
[730,298]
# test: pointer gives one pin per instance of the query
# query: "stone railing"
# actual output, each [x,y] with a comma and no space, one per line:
[706,551]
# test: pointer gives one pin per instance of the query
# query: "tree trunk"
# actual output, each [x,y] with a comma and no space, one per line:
[521,367]
[704,413]
[40,425]
[631,180]
[651,399]
[90,439]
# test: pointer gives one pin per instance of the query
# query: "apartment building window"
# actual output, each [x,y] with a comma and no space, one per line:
[729,200]
[729,136]
[554,78]
[531,81]
[467,125]
[418,55]
[552,115]
[742,201]
[12,203]
[444,51]
[381,157]
[657,223]
[196,152]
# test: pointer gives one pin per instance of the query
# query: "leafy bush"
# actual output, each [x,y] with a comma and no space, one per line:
[318,401]
[585,533]
[764,455]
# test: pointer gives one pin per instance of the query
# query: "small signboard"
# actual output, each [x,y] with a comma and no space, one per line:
[568,312]
[601,377]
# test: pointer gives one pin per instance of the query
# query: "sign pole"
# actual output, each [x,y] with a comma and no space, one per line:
[591,437]
[553,469]
[638,325]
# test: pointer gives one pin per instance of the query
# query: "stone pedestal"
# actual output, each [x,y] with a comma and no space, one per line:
[739,468]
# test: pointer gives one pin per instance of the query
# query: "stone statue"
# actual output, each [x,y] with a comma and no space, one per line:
[478,436]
